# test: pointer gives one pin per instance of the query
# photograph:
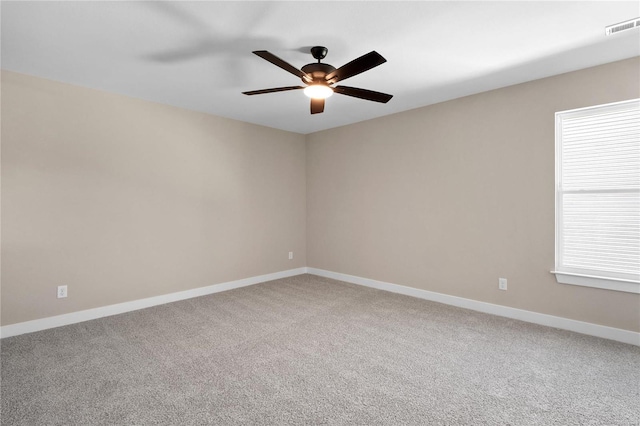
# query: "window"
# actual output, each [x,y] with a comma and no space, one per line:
[598,196]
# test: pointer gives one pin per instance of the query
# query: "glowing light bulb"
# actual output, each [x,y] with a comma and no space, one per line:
[318,91]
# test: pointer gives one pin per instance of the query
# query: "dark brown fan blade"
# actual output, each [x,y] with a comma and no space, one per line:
[282,64]
[355,67]
[275,89]
[369,95]
[317,106]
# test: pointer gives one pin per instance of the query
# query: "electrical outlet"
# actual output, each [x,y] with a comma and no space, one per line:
[290,255]
[502,284]
[62,291]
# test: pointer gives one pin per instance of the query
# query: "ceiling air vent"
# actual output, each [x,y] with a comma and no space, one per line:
[622,26]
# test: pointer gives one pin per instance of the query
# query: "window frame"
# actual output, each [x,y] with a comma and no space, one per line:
[568,275]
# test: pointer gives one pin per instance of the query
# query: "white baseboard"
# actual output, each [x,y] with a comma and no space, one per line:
[134,305]
[605,332]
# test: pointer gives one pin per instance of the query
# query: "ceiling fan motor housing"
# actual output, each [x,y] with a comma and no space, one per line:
[317,72]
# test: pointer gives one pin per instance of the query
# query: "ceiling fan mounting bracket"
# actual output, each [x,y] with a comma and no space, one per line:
[319,52]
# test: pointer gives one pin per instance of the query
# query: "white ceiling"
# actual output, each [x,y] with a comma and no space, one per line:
[197,55]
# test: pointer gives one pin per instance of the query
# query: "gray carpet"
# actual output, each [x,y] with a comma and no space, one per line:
[309,350]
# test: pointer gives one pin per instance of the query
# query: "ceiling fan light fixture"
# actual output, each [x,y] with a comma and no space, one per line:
[318,91]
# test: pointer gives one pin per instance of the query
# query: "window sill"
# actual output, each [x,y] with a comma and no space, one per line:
[597,282]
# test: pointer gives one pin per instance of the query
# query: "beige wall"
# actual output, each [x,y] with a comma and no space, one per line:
[450,197]
[122,199]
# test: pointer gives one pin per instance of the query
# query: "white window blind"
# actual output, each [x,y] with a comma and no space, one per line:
[598,195]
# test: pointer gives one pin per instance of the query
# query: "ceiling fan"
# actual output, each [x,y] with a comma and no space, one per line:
[320,78]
